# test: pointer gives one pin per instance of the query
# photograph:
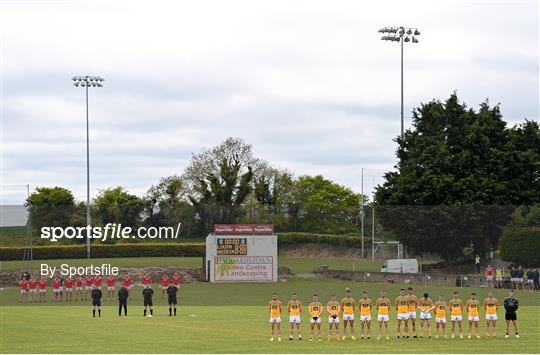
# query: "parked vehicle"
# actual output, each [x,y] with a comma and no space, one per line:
[401,266]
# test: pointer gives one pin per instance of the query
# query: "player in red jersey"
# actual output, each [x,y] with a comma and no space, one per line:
[127,282]
[42,284]
[147,280]
[56,283]
[88,287]
[176,280]
[164,284]
[110,287]
[24,290]
[98,281]
[79,284]
[68,283]
[32,283]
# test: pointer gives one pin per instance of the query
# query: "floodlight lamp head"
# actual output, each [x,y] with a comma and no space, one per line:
[406,39]
[416,33]
[414,40]
[409,31]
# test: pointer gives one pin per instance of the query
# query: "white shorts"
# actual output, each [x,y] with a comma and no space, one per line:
[440,320]
[164,287]
[56,290]
[425,315]
[520,279]
[456,318]
[294,319]
[275,319]
[499,278]
[530,281]
[473,318]
[312,321]
[33,290]
[489,278]
[365,318]
[42,290]
[78,288]
[348,317]
[128,287]
[491,317]
[404,316]
[23,290]
[514,279]
[383,318]
[333,320]
[110,288]
[412,315]
[69,289]
[88,287]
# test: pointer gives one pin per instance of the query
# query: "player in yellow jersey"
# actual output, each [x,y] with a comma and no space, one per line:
[275,309]
[412,303]
[347,306]
[365,314]
[440,316]
[425,305]
[294,307]
[315,311]
[383,305]
[491,305]
[333,308]
[473,306]
[402,308]
[456,309]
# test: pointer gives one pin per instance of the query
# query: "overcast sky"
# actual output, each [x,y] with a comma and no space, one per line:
[308,83]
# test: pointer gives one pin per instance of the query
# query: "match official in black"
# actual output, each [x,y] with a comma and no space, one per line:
[511,305]
[123,296]
[173,298]
[96,300]
[147,297]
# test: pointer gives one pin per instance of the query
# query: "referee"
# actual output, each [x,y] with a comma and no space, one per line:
[123,295]
[96,300]
[511,306]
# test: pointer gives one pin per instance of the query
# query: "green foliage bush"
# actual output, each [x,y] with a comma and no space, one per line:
[105,251]
[297,238]
[169,249]
[521,245]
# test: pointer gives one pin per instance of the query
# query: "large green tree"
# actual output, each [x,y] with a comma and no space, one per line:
[116,205]
[458,171]
[51,207]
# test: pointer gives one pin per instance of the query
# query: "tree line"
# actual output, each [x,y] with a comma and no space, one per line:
[459,177]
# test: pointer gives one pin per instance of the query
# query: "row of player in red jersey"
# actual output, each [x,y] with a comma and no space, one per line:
[81,286]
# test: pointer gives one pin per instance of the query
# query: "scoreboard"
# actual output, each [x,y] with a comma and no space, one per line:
[241,253]
[231,246]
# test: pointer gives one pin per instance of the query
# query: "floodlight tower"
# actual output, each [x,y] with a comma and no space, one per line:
[400,34]
[86,82]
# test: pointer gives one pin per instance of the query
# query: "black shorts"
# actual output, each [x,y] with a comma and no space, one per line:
[510,316]
[148,303]
[173,300]
[96,303]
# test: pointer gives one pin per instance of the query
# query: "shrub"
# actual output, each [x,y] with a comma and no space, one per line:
[105,251]
[521,245]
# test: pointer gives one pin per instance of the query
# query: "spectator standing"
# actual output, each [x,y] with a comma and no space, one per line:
[489,276]
[498,278]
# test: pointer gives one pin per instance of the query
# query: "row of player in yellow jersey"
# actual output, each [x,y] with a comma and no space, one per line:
[407,306]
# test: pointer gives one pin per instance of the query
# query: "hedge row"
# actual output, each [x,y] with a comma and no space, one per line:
[105,251]
[521,245]
[292,239]
[167,249]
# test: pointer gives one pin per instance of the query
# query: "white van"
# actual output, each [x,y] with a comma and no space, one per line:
[401,266]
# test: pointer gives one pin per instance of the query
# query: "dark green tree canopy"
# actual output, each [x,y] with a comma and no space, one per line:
[456,156]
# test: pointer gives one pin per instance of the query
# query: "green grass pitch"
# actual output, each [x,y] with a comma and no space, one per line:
[230,318]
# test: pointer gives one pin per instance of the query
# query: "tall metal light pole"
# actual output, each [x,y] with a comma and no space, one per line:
[400,34]
[86,82]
